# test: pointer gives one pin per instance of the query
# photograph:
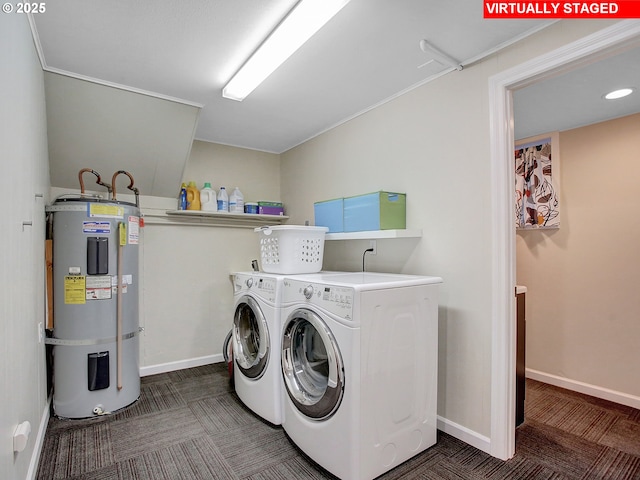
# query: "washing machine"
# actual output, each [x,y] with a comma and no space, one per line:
[256,343]
[359,368]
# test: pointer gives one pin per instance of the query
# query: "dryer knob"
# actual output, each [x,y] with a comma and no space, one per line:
[249,282]
[308,292]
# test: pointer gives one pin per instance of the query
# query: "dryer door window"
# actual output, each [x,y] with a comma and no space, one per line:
[250,338]
[312,365]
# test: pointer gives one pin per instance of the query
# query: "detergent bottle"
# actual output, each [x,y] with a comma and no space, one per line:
[182,198]
[236,201]
[223,200]
[208,201]
[193,197]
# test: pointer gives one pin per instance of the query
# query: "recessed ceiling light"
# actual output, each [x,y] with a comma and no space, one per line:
[623,92]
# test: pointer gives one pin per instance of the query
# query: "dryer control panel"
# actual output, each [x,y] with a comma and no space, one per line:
[334,299]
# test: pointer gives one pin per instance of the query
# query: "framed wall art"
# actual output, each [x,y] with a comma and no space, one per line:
[537,179]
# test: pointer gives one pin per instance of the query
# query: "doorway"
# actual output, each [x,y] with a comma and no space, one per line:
[601,44]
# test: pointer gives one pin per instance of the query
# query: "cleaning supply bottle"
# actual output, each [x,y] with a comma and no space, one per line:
[208,201]
[193,197]
[236,201]
[182,198]
[223,200]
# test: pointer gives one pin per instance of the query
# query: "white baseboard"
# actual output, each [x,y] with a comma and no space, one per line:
[180,365]
[37,448]
[581,387]
[466,435]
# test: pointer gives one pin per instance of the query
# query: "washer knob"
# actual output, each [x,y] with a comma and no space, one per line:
[249,282]
[308,292]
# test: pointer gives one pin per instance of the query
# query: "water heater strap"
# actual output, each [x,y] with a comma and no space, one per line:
[91,341]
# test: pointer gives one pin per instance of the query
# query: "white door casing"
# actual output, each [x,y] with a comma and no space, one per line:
[606,42]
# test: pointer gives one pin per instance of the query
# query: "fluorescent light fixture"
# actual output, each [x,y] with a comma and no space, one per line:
[623,92]
[306,18]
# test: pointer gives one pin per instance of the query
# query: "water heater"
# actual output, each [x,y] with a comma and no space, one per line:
[95,305]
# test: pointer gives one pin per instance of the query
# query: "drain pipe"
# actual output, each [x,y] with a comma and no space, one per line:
[122,230]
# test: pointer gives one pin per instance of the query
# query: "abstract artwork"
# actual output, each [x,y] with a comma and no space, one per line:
[536,195]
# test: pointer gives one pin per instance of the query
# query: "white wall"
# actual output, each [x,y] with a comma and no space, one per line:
[257,174]
[433,144]
[25,173]
[187,296]
[91,125]
[582,279]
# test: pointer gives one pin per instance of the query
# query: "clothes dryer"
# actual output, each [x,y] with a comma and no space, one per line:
[359,364]
[256,343]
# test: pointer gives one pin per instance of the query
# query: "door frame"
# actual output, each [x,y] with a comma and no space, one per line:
[609,41]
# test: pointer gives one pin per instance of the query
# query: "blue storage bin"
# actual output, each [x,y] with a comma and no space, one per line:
[375,211]
[329,214]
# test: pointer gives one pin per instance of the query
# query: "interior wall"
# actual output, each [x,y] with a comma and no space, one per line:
[431,143]
[24,187]
[106,128]
[256,173]
[582,303]
[187,295]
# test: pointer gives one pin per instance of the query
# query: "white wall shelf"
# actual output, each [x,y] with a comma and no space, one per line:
[212,219]
[375,234]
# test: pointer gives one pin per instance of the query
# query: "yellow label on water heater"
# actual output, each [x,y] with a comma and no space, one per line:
[122,228]
[74,290]
[111,211]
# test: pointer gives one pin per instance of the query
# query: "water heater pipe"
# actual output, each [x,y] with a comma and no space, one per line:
[119,314]
[130,186]
[98,181]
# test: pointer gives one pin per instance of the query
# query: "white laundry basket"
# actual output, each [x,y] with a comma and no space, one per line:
[291,249]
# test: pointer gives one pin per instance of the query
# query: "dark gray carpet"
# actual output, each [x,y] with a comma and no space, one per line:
[190,425]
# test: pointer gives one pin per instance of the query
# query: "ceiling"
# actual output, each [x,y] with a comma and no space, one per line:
[575,98]
[368,53]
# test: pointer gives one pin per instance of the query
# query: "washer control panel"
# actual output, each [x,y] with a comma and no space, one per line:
[337,300]
[265,287]
[308,292]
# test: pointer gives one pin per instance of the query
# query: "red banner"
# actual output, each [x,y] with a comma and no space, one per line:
[552,10]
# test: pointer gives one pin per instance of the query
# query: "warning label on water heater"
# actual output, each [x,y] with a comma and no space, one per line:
[134,230]
[98,287]
[111,211]
[74,290]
